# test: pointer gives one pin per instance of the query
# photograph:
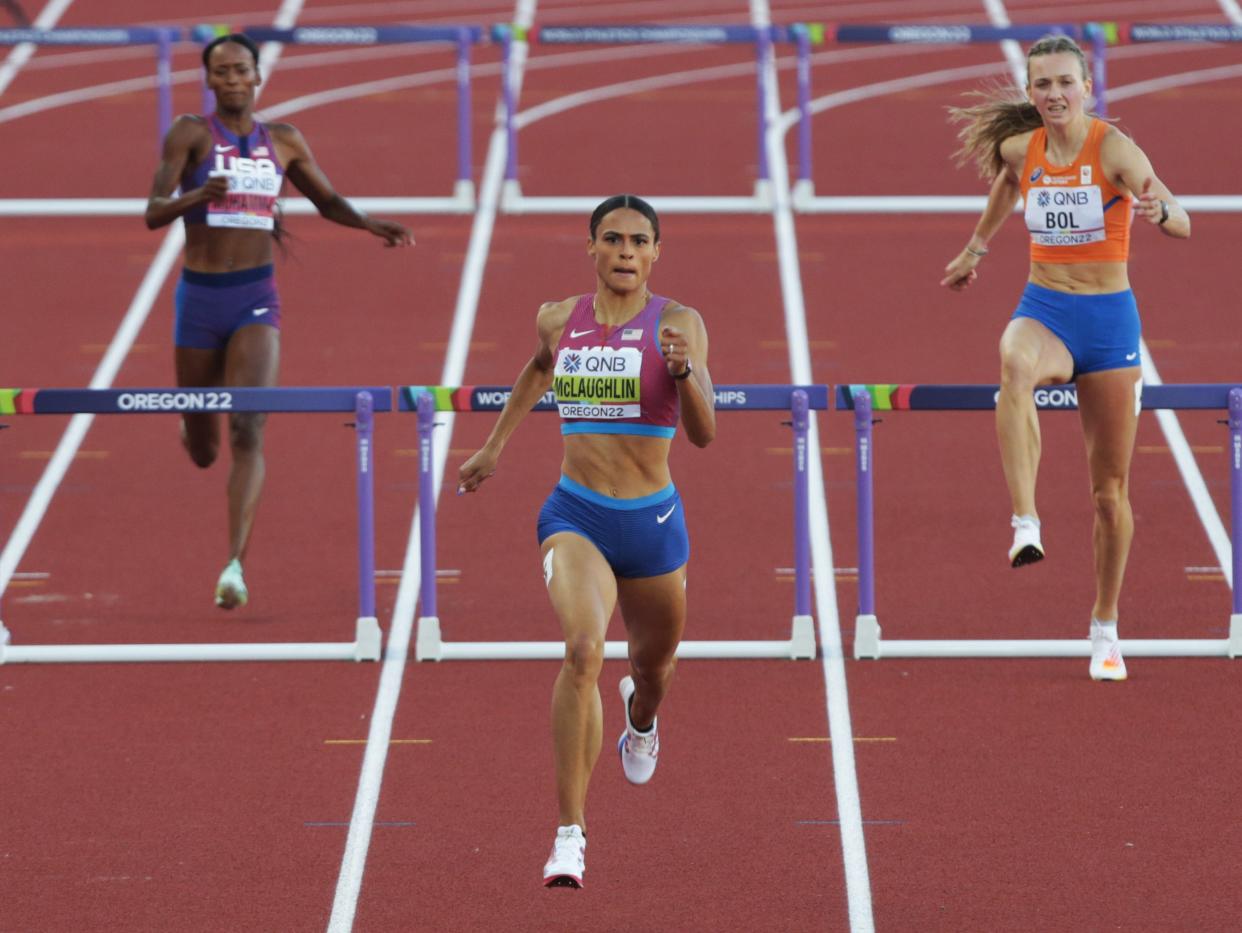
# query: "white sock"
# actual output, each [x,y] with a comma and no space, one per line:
[1027,518]
[1107,629]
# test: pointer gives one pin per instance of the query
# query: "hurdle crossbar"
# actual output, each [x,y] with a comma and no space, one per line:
[863,400]
[362,402]
[799,400]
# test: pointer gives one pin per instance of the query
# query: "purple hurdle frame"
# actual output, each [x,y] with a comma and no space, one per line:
[800,645]
[867,638]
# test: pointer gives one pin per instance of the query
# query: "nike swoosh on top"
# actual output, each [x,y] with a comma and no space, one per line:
[663,518]
[220,148]
[260,311]
[581,333]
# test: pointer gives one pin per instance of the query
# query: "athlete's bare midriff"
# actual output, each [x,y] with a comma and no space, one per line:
[624,466]
[211,249]
[1083,278]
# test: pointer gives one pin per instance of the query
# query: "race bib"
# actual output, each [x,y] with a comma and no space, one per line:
[253,187]
[598,382]
[1069,216]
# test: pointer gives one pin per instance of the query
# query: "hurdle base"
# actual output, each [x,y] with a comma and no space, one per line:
[428,645]
[803,194]
[802,639]
[115,654]
[613,650]
[512,201]
[866,637]
[511,196]
[764,200]
[1235,635]
[368,640]
[1038,648]
[463,193]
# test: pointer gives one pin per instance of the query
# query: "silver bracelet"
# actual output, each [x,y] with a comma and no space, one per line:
[975,252]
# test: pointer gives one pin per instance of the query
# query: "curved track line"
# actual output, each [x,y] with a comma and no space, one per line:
[20,54]
[1184,79]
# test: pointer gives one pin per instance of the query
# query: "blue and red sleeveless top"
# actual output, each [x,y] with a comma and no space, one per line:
[255,176]
[613,379]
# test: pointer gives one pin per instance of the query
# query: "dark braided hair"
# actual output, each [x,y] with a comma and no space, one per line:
[633,202]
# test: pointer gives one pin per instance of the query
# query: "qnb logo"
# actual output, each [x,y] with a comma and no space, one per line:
[606,364]
[573,362]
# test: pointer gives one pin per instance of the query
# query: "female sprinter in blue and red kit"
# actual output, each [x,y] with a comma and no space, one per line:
[1077,318]
[624,365]
[230,168]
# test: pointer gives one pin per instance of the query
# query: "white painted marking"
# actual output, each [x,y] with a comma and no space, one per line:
[20,54]
[845,775]
[349,882]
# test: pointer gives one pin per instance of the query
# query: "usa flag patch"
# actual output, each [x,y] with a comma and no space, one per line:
[632,333]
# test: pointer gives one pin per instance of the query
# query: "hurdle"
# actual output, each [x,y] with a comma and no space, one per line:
[864,399]
[464,38]
[514,202]
[798,400]
[362,402]
[161,37]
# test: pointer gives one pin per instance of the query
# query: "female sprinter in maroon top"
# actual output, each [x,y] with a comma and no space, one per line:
[230,168]
[624,365]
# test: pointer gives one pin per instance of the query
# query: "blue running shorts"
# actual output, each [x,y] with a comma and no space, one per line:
[1100,331]
[644,537]
[211,307]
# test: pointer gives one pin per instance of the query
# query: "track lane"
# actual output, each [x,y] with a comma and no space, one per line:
[1024,769]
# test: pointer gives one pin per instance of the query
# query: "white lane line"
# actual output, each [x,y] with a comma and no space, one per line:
[62,457]
[20,54]
[361,824]
[1170,81]
[1188,467]
[840,729]
[1232,10]
[1012,51]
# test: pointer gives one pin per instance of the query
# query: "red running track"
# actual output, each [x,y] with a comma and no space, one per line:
[996,794]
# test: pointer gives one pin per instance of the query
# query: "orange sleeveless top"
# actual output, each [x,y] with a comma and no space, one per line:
[1073,213]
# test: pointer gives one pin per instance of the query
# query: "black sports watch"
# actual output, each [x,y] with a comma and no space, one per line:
[685,373]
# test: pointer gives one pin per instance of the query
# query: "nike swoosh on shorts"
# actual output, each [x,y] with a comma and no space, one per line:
[661,519]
